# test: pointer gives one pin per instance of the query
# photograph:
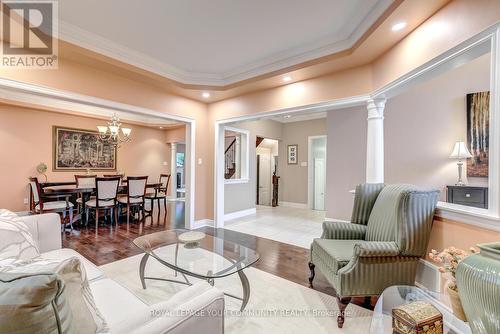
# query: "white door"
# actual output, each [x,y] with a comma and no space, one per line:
[319,184]
[264,176]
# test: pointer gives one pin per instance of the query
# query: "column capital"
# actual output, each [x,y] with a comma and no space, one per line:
[375,108]
[173,145]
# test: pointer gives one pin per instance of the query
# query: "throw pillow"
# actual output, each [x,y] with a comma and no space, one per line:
[16,241]
[34,303]
[86,316]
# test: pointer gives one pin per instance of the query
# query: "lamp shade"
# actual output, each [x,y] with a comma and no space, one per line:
[460,151]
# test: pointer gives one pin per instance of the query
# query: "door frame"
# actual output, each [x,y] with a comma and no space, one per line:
[310,169]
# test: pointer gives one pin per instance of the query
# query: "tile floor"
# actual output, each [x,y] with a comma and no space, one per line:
[288,225]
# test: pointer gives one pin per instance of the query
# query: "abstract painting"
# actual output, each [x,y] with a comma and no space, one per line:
[76,149]
[478,134]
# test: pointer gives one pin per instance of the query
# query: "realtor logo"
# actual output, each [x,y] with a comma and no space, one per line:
[29,34]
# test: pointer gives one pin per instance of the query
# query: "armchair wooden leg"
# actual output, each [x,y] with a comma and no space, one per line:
[311,277]
[342,302]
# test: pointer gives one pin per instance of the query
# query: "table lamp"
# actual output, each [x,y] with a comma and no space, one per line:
[460,152]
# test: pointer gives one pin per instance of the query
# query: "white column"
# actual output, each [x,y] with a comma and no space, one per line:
[237,158]
[375,141]
[173,170]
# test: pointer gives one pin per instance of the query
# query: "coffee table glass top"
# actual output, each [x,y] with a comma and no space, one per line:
[209,257]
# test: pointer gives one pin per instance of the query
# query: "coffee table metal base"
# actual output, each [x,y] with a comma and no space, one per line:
[243,279]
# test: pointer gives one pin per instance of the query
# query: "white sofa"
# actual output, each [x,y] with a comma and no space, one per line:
[185,312]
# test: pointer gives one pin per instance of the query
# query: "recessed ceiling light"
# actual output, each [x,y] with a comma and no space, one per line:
[399,26]
[161,127]
[287,78]
[287,116]
[206,95]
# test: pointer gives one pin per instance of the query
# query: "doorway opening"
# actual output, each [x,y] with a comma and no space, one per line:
[317,172]
[267,167]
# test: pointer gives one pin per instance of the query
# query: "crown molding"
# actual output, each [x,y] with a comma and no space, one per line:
[292,57]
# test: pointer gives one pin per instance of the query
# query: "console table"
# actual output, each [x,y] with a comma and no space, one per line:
[468,195]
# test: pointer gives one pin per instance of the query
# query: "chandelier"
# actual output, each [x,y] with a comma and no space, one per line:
[113,133]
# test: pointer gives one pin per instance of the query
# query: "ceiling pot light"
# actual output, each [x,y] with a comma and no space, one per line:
[399,26]
[287,78]
[287,116]
[206,95]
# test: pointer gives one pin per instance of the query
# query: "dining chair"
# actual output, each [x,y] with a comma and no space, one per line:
[106,189]
[84,181]
[136,191]
[160,193]
[39,205]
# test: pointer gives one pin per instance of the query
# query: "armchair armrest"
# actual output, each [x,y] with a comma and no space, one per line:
[45,229]
[197,309]
[376,249]
[343,231]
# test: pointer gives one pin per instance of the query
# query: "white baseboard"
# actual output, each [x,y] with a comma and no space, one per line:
[239,214]
[328,219]
[294,205]
[428,276]
[202,223]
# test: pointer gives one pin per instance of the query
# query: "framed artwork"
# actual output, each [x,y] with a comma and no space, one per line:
[478,133]
[79,150]
[292,154]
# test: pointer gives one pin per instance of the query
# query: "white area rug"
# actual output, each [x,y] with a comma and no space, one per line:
[276,305]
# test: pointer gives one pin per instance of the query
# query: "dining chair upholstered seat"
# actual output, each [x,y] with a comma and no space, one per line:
[160,193]
[102,203]
[106,193]
[382,244]
[124,199]
[136,190]
[55,205]
[41,204]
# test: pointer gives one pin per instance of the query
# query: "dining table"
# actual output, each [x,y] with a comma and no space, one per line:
[69,189]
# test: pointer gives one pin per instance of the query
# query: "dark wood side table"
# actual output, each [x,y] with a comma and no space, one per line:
[468,195]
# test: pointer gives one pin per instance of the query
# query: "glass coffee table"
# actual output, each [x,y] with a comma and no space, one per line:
[198,255]
[403,294]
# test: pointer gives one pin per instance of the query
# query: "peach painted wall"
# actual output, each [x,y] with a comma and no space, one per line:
[79,78]
[26,140]
[447,233]
[453,24]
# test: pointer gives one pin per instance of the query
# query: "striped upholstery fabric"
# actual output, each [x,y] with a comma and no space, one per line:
[361,260]
[364,199]
[343,230]
[376,248]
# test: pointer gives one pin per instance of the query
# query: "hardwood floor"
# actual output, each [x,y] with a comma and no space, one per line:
[111,244]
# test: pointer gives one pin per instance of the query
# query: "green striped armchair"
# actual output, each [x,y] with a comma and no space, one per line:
[380,247]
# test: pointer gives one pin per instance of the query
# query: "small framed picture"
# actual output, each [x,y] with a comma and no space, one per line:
[293,154]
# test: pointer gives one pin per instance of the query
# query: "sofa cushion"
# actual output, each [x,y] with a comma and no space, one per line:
[335,253]
[16,241]
[86,317]
[34,303]
[115,302]
[93,272]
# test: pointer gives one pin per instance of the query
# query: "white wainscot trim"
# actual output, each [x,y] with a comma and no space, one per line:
[468,215]
[202,223]
[239,214]
[294,205]
[236,181]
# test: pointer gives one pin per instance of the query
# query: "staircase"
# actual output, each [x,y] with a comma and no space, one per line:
[230,160]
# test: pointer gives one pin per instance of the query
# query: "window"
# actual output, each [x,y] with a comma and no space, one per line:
[236,147]
[180,159]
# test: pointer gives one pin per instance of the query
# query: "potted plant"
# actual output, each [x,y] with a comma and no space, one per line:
[448,259]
